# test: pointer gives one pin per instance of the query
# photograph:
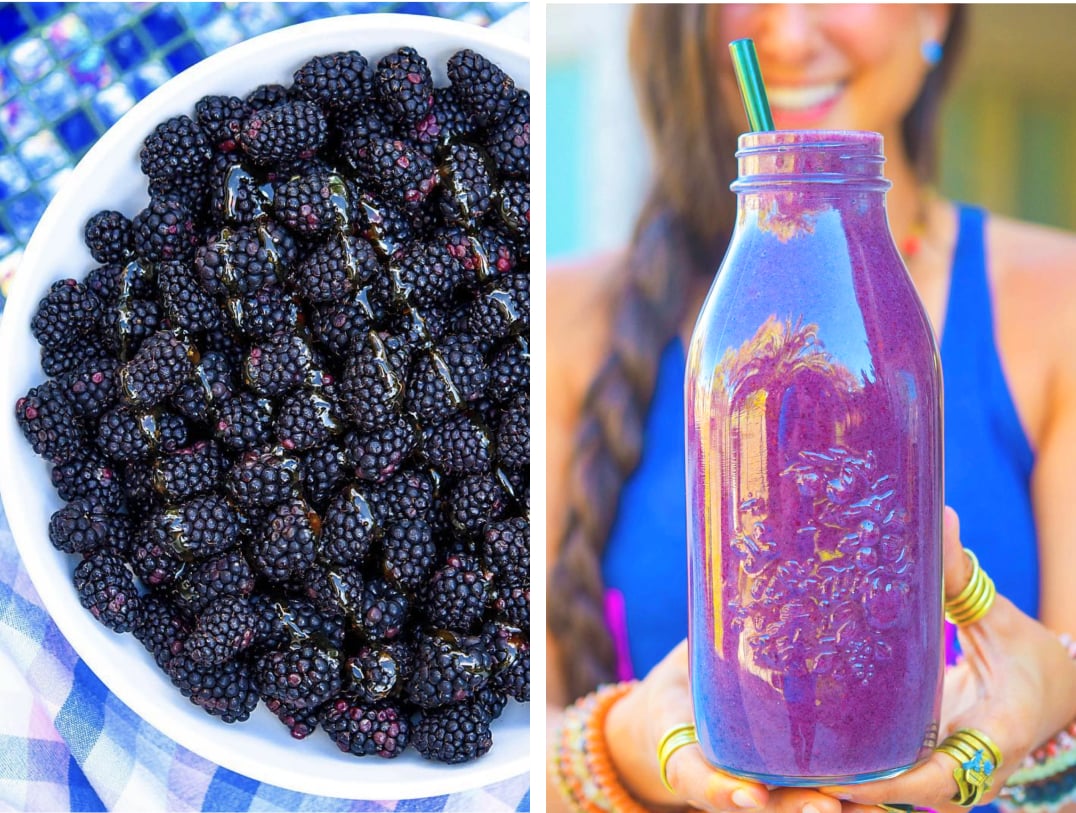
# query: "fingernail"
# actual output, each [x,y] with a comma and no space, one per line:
[741,798]
[809,808]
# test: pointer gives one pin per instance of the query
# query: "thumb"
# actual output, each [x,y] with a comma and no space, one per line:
[956,563]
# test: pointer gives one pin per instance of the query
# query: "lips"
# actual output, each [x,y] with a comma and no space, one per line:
[803,106]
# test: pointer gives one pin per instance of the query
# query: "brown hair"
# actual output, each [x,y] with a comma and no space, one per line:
[677,244]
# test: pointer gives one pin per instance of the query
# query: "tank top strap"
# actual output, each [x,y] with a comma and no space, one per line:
[969,317]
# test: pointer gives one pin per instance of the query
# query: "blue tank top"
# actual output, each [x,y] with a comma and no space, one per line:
[988,462]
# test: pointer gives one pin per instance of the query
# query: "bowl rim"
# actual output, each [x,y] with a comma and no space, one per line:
[132,128]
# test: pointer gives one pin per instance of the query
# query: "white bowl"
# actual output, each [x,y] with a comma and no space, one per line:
[109,177]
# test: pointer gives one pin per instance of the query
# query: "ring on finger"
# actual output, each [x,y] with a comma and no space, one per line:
[977,597]
[672,741]
[977,758]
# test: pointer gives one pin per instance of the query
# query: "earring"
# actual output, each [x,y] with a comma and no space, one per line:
[932,52]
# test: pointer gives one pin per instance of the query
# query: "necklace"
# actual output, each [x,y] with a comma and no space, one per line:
[913,241]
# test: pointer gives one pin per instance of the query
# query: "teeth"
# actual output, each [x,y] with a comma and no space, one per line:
[802,97]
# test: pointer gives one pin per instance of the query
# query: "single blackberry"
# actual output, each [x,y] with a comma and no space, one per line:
[300,722]
[513,675]
[202,526]
[301,677]
[468,252]
[310,204]
[184,301]
[153,558]
[84,525]
[334,81]
[263,477]
[425,273]
[458,445]
[269,310]
[404,175]
[448,668]
[108,235]
[235,196]
[127,327]
[482,87]
[177,149]
[285,547]
[136,484]
[372,386]
[292,621]
[187,472]
[225,690]
[491,700]
[92,386]
[244,421]
[306,418]
[278,364]
[192,191]
[454,374]
[207,581]
[48,421]
[380,221]
[408,554]
[336,590]
[105,281]
[161,627]
[515,207]
[279,135]
[267,95]
[61,361]
[382,615]
[503,252]
[457,593]
[475,500]
[340,327]
[379,453]
[210,383]
[66,315]
[508,141]
[164,230]
[356,129]
[323,468]
[158,369]
[335,268]
[449,121]
[510,370]
[378,671]
[466,186]
[90,476]
[225,627]
[404,85]
[107,589]
[514,433]
[408,494]
[506,551]
[220,118]
[453,734]
[514,605]
[349,528]
[363,729]
[243,260]
[503,308]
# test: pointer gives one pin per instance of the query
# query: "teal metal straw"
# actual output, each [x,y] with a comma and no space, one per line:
[752,89]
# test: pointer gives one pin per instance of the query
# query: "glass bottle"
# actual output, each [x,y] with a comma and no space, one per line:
[814,478]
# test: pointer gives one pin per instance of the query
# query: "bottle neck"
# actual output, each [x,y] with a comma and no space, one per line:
[829,161]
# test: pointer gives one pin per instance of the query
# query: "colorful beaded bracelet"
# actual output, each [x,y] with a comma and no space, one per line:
[579,755]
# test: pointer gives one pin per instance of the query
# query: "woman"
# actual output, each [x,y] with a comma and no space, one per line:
[1000,296]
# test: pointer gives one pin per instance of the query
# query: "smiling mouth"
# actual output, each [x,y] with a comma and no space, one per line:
[802,99]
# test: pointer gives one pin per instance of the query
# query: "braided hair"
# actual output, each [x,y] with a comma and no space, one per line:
[678,241]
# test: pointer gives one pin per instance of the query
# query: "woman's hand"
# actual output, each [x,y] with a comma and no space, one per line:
[635,726]
[1016,683]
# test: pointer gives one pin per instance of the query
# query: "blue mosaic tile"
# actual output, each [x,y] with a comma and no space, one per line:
[220,33]
[90,70]
[163,24]
[23,212]
[52,185]
[127,49]
[104,18]
[45,11]
[112,102]
[147,78]
[68,36]
[184,56]
[9,85]
[198,14]
[18,120]
[54,95]
[257,18]
[12,25]
[42,154]
[77,131]
[13,177]
[31,60]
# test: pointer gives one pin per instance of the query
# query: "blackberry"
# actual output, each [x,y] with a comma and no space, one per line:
[425,273]
[449,120]
[187,472]
[408,494]
[279,135]
[220,118]
[244,421]
[365,729]
[340,327]
[491,700]
[381,222]
[225,690]
[225,627]
[263,477]
[335,268]
[47,420]
[157,370]
[467,250]
[92,386]
[208,581]
[294,622]
[269,310]
[161,627]
[482,87]
[300,722]
[453,374]
[379,453]
[448,668]
[409,554]
[514,605]
[458,445]
[466,186]
[514,676]
[66,314]
[301,677]
[210,383]
[475,500]
[356,129]
[136,484]
[267,95]
[502,251]
[378,671]
[164,230]
[306,418]
[509,140]
[336,590]
[404,175]
[89,476]
[286,545]
[382,615]
[457,594]
[349,528]
[61,361]
[177,149]
[198,528]
[84,525]
[310,204]
[241,261]
[127,328]
[236,196]
[184,301]
[372,385]
[515,207]
[277,364]
[105,281]
[503,308]
[514,434]
[154,560]
[510,370]
[323,468]
[108,235]
[453,734]
[506,551]
[404,85]
[334,81]
[107,589]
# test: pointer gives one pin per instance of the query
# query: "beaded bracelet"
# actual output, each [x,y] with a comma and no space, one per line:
[579,755]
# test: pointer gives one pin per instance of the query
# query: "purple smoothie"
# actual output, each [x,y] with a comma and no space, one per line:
[814,478]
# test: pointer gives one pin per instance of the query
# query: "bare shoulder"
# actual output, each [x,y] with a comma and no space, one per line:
[1033,260]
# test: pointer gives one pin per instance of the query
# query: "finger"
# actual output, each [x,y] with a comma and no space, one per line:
[694,779]
[957,563]
[928,785]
